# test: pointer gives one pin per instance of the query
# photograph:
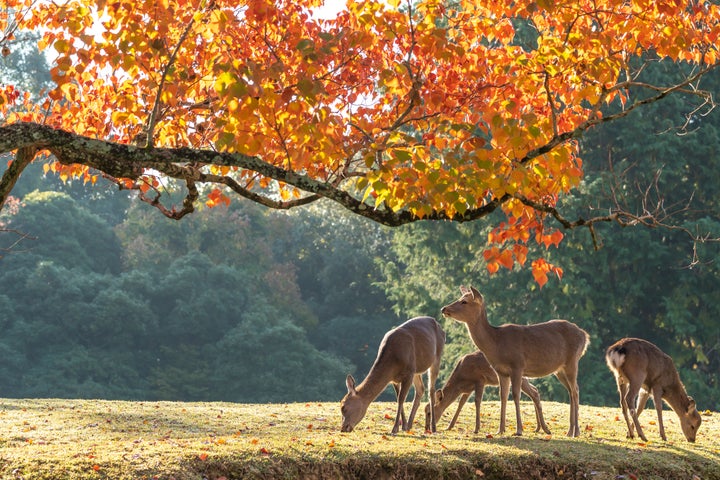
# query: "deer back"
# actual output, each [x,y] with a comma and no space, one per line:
[541,348]
[639,360]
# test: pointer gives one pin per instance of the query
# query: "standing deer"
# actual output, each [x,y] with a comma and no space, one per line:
[471,374]
[405,353]
[641,368]
[517,351]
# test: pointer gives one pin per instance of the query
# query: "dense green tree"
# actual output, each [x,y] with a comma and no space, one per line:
[64,231]
[268,358]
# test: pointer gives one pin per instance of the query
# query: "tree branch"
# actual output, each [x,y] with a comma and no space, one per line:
[129,161]
[23,157]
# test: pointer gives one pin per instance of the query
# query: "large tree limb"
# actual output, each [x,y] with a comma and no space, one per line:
[129,161]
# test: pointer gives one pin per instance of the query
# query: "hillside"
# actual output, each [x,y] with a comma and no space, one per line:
[97,439]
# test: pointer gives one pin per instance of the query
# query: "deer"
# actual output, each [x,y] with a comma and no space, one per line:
[404,354]
[517,351]
[470,375]
[641,368]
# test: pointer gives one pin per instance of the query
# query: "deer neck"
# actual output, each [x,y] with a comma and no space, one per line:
[482,333]
[676,397]
[376,381]
[450,393]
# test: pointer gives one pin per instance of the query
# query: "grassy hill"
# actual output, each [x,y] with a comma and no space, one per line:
[96,439]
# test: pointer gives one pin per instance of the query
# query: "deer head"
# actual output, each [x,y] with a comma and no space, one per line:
[467,307]
[352,406]
[690,421]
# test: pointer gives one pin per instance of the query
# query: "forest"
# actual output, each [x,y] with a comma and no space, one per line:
[101,297]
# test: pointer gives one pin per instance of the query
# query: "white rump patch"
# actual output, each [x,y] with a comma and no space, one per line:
[615,359]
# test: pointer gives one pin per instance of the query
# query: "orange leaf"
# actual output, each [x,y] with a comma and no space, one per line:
[203,456]
[540,270]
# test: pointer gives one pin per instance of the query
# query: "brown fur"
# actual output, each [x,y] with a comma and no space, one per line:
[405,353]
[641,369]
[517,351]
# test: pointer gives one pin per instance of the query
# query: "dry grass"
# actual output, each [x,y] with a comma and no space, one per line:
[94,439]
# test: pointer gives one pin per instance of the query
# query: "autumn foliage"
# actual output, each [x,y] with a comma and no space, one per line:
[398,111]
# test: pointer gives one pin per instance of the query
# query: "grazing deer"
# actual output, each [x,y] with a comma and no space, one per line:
[517,351]
[641,368]
[405,353]
[471,374]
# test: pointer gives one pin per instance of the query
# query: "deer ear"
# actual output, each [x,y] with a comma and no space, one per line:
[692,405]
[350,383]
[463,290]
[477,295]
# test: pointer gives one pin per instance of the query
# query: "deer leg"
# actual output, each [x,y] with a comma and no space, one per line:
[631,401]
[463,399]
[431,410]
[516,382]
[402,392]
[432,379]
[622,391]
[576,392]
[504,392]
[642,400]
[569,380]
[396,387]
[419,392]
[657,400]
[479,392]
[534,395]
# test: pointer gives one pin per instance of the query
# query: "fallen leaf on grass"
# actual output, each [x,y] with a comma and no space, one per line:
[264,451]
[203,456]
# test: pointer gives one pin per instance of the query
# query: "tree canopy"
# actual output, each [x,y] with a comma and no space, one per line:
[399,111]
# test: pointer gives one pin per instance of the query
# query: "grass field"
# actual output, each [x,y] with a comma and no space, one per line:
[96,439]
